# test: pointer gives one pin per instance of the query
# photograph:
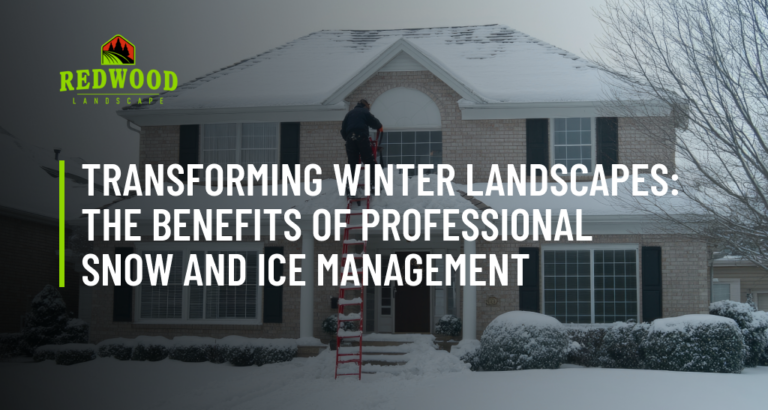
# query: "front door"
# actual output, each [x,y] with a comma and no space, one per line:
[412,302]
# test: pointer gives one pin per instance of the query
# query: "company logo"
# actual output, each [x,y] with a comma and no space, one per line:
[107,86]
[118,51]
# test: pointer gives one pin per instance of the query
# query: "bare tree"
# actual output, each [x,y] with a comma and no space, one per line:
[707,60]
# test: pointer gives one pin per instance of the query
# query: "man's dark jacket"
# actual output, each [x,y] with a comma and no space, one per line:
[358,121]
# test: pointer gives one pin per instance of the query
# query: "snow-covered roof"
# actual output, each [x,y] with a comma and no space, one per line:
[484,64]
[29,189]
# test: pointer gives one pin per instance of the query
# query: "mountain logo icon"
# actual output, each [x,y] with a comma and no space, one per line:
[118,51]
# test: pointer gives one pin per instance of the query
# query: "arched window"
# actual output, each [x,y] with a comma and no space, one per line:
[412,127]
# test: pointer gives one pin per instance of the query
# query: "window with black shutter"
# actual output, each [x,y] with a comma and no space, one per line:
[529,292]
[537,142]
[122,300]
[607,149]
[651,268]
[273,295]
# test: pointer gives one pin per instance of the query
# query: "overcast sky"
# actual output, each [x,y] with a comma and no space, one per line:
[193,38]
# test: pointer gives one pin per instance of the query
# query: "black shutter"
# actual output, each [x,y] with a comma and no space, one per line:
[537,142]
[607,142]
[189,144]
[651,272]
[529,292]
[289,143]
[273,295]
[122,300]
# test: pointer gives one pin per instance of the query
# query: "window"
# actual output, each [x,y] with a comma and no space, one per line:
[761,299]
[245,143]
[572,142]
[726,289]
[591,285]
[200,304]
[721,291]
[412,147]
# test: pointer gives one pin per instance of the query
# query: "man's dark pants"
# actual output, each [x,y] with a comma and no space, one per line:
[359,150]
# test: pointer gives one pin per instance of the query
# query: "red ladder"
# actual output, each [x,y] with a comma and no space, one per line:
[348,354]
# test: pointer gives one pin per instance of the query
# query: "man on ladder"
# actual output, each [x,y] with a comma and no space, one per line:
[354,130]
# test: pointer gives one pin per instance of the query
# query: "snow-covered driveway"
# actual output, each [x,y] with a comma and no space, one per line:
[439,383]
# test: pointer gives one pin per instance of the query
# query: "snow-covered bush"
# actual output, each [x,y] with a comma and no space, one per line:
[74,353]
[621,346]
[448,325]
[191,348]
[694,343]
[589,340]
[521,340]
[9,344]
[45,321]
[331,323]
[46,352]
[151,348]
[243,351]
[76,331]
[119,348]
[753,325]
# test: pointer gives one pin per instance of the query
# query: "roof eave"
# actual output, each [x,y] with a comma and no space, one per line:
[292,113]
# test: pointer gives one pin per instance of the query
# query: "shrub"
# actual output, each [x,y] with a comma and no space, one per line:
[46,352]
[589,340]
[694,343]
[119,348]
[9,344]
[218,352]
[191,348]
[753,325]
[74,353]
[45,320]
[331,323]
[621,346]
[521,340]
[152,348]
[448,325]
[243,351]
[76,331]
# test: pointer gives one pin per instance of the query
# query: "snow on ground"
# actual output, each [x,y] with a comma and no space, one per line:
[437,381]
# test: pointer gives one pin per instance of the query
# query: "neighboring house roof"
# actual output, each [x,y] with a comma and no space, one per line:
[491,64]
[30,187]
[733,260]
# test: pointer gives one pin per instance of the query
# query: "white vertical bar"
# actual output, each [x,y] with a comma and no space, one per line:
[469,316]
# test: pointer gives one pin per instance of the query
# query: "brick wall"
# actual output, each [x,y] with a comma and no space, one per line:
[29,262]
[159,145]
[645,141]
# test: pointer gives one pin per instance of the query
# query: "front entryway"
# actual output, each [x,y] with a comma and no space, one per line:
[412,303]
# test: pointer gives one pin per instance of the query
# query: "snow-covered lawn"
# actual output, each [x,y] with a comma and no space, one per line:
[437,382]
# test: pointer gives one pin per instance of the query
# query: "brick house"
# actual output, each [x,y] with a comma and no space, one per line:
[459,95]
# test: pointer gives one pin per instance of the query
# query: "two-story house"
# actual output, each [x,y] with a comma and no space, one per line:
[476,95]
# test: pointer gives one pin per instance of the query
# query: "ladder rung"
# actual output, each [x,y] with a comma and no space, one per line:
[354,255]
[350,361]
[349,333]
[349,316]
[355,301]
[348,374]
[354,227]
[350,320]
[354,242]
[349,354]
[351,287]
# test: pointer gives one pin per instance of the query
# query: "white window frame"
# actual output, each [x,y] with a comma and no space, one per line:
[186,249]
[414,130]
[757,300]
[592,247]
[593,138]
[735,288]
[239,134]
